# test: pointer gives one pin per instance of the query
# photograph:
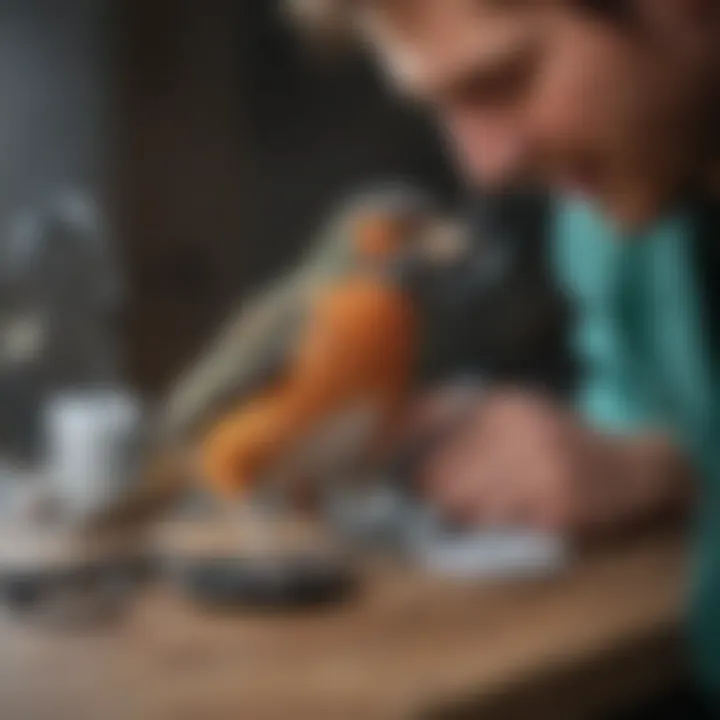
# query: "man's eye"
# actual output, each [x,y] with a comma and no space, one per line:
[503,84]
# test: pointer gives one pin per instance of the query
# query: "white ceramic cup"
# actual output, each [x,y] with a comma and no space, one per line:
[93,446]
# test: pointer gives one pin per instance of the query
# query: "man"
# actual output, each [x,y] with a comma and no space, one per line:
[612,106]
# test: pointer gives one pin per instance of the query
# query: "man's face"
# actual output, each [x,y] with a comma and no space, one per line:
[606,106]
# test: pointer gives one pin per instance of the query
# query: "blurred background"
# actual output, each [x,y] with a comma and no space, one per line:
[234,142]
[210,136]
[197,145]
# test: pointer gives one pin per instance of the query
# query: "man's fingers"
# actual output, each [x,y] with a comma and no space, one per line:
[516,461]
[455,477]
[474,482]
[437,411]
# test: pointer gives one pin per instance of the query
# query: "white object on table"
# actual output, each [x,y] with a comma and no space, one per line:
[92,448]
[494,554]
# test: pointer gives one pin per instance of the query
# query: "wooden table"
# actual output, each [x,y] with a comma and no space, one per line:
[411,646]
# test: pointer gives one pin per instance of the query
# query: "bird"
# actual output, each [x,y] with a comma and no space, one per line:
[308,378]
[332,406]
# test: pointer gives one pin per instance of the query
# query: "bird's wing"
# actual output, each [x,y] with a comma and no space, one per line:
[253,347]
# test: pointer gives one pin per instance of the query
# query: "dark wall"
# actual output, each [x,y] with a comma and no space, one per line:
[321,128]
[236,143]
[56,85]
[183,181]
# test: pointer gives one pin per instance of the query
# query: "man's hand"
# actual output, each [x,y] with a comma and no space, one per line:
[521,459]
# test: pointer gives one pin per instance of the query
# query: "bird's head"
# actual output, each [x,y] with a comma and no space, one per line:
[395,222]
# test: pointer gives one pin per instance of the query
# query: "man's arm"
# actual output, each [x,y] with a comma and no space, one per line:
[662,475]
[522,459]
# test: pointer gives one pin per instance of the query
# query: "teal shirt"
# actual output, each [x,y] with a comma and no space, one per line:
[642,333]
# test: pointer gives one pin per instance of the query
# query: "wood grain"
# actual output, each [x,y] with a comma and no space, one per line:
[411,646]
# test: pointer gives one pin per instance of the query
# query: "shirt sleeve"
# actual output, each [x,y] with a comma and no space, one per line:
[604,403]
[590,269]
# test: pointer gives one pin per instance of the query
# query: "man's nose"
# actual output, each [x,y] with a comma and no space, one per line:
[493,147]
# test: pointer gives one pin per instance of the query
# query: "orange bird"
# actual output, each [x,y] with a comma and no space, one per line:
[332,408]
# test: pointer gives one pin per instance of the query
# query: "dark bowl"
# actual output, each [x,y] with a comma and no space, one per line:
[268,583]
[75,594]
